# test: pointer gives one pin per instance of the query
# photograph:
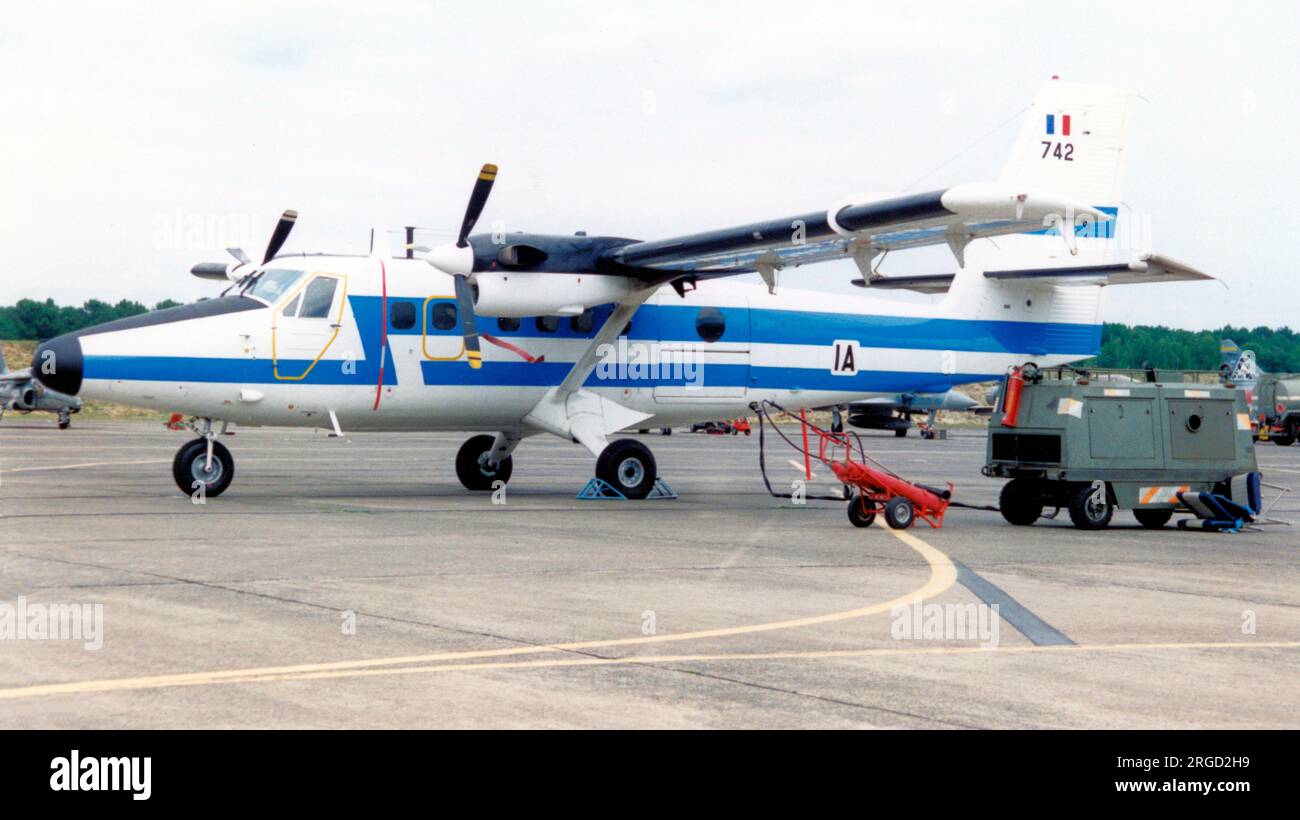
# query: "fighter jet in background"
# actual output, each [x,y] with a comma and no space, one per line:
[21,392]
[895,412]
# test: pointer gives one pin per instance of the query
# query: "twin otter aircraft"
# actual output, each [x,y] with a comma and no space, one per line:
[512,335]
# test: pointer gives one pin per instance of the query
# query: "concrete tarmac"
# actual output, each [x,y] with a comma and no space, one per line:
[353,583]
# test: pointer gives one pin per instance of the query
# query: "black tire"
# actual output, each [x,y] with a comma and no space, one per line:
[628,466]
[899,514]
[1153,519]
[667,431]
[188,468]
[857,515]
[473,473]
[65,424]
[1284,440]
[1021,502]
[900,432]
[1088,509]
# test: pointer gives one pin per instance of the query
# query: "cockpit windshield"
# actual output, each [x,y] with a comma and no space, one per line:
[272,284]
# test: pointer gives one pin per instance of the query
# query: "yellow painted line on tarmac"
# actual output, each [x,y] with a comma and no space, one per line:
[942,576]
[83,465]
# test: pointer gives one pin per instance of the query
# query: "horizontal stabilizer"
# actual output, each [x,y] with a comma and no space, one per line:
[1147,269]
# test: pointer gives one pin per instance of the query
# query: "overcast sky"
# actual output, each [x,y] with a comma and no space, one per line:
[139,139]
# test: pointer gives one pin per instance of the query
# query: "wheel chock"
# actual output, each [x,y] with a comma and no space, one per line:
[598,489]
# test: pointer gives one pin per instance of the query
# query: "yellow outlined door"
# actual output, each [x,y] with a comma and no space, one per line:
[441,338]
[306,324]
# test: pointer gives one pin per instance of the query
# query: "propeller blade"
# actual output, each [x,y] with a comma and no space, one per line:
[281,233]
[239,255]
[468,323]
[477,199]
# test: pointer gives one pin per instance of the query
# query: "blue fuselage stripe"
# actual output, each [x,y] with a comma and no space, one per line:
[670,323]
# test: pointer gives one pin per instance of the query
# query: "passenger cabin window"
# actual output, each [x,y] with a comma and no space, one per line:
[548,324]
[507,325]
[401,315]
[318,297]
[584,322]
[444,315]
[709,324]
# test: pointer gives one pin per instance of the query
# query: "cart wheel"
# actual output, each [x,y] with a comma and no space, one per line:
[899,513]
[858,514]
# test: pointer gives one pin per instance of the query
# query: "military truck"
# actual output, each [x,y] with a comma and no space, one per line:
[1093,446]
[1278,403]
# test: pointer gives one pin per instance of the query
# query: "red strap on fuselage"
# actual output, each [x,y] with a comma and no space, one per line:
[383,331]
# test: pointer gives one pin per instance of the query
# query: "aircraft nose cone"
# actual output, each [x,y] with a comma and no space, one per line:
[58,364]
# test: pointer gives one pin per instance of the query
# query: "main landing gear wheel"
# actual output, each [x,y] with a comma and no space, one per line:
[1090,507]
[900,432]
[472,468]
[65,419]
[858,514]
[899,513]
[628,466]
[190,468]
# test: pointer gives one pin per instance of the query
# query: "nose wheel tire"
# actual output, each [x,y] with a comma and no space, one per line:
[190,468]
[472,467]
[628,466]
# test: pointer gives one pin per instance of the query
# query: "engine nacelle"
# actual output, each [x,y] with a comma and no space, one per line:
[505,294]
[26,398]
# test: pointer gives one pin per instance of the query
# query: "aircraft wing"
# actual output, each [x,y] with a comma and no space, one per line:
[858,230]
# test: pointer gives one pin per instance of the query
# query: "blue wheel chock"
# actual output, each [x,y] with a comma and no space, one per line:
[600,490]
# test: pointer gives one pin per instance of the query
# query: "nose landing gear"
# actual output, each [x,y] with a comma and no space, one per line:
[475,470]
[192,469]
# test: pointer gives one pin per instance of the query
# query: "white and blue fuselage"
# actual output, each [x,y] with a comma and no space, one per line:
[383,349]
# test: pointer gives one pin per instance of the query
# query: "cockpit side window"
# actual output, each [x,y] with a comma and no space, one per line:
[273,284]
[318,297]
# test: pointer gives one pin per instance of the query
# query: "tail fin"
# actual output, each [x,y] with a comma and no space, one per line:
[1239,366]
[1074,141]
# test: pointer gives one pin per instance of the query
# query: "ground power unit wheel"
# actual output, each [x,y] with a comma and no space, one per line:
[1153,519]
[1090,507]
[1021,502]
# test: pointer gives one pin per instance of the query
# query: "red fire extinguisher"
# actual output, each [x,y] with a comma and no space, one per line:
[1011,404]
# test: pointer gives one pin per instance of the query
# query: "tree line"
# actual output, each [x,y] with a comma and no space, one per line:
[30,319]
[1276,349]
